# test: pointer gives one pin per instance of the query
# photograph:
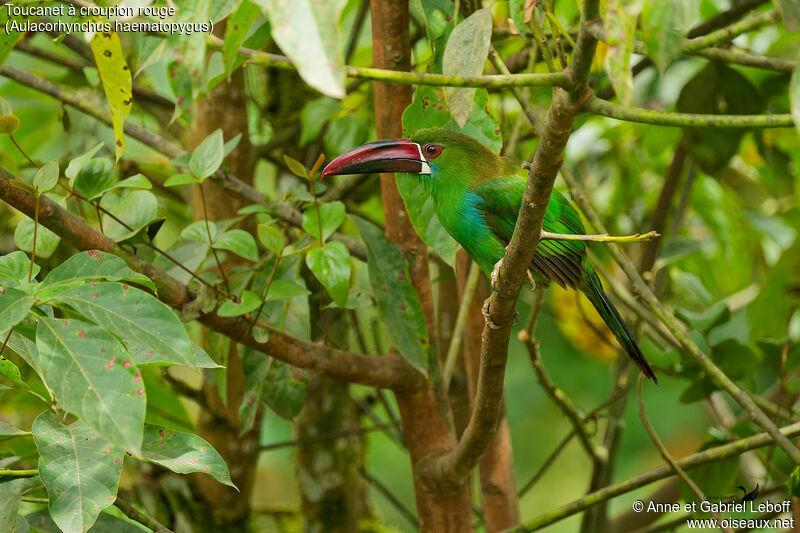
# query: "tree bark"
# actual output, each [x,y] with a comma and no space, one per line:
[426,430]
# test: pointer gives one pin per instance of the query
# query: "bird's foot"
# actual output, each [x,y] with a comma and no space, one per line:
[486,316]
[495,277]
[533,281]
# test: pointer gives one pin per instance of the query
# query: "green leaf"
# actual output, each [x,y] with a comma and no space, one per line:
[295,167]
[221,9]
[737,360]
[309,33]
[271,237]
[254,366]
[11,492]
[9,36]
[236,30]
[136,208]
[77,163]
[93,377]
[137,318]
[398,302]
[46,240]
[95,265]
[137,181]
[793,483]
[181,179]
[330,264]
[207,157]
[197,231]
[778,299]
[239,242]
[79,469]
[663,28]
[517,11]
[25,348]
[5,107]
[314,116]
[794,95]
[183,453]
[9,430]
[465,55]
[281,289]
[717,89]
[620,25]
[331,215]
[282,392]
[248,301]
[790,10]
[345,133]
[705,320]
[14,268]
[260,334]
[14,305]
[46,177]
[41,522]
[203,360]
[11,371]
[116,77]
[95,178]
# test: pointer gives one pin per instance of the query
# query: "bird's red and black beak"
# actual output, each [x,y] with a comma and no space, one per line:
[394,155]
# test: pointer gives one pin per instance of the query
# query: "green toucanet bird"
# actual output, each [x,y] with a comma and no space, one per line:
[477,196]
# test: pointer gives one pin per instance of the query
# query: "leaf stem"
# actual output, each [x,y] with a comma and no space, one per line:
[639,237]
[210,243]
[13,140]
[18,473]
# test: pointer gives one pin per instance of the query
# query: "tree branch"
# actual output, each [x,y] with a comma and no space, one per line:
[136,515]
[449,470]
[695,460]
[391,371]
[697,120]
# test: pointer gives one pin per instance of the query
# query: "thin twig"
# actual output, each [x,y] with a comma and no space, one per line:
[389,495]
[138,516]
[638,237]
[461,322]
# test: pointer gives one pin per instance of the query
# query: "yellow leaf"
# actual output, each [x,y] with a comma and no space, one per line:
[116,78]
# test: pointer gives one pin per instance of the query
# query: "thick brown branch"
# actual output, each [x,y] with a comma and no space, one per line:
[390,371]
[450,469]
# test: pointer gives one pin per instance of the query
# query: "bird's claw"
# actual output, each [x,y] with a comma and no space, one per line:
[533,281]
[496,275]
[487,317]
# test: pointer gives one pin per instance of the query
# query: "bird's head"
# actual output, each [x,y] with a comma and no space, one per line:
[438,153]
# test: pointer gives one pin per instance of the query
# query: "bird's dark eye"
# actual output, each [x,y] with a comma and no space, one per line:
[432,150]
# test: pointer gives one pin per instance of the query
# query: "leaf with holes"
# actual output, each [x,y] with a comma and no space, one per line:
[137,318]
[95,265]
[183,453]
[309,33]
[11,371]
[331,215]
[14,305]
[465,55]
[207,157]
[93,377]
[398,302]
[239,242]
[11,492]
[79,469]
[116,78]
[330,264]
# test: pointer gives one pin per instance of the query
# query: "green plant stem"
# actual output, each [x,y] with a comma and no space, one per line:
[18,473]
[33,499]
[266,289]
[35,232]
[665,118]
[461,322]
[136,515]
[639,237]
[210,240]
[689,462]
[32,162]
[727,34]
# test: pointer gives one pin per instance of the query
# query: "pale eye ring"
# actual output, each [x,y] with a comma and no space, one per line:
[432,150]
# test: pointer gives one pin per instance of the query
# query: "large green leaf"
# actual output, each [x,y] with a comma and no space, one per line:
[207,157]
[465,55]
[717,89]
[314,116]
[116,78]
[239,242]
[41,522]
[26,349]
[46,240]
[14,305]
[331,215]
[136,317]
[93,376]
[95,265]
[663,28]
[309,33]
[282,392]
[236,30]
[10,35]
[11,492]
[330,264]
[14,268]
[398,302]
[77,163]
[183,453]
[254,366]
[79,469]
[136,208]
[96,177]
